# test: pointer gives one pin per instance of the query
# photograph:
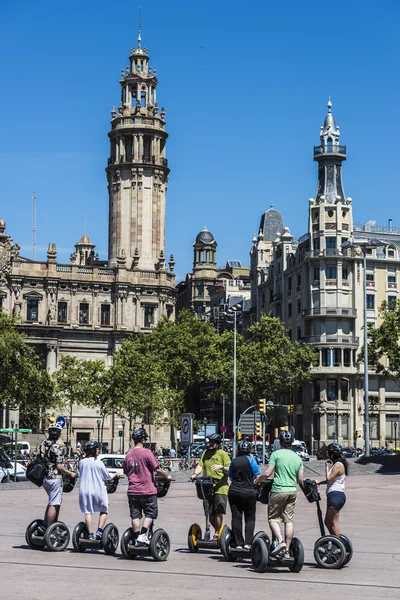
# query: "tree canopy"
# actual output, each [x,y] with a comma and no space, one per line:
[24,383]
[384,342]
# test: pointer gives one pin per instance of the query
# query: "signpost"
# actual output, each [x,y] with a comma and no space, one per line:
[14,430]
[223,431]
[187,431]
[61,421]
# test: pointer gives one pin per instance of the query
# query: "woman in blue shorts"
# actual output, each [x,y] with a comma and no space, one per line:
[336,469]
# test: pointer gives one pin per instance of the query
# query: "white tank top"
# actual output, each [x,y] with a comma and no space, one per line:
[337,485]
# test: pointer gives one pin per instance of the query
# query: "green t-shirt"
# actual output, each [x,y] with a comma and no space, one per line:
[287,464]
[219,457]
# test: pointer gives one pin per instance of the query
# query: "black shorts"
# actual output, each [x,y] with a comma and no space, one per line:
[336,500]
[217,504]
[143,504]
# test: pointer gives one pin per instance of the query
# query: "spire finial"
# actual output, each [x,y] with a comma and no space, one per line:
[329,104]
[139,39]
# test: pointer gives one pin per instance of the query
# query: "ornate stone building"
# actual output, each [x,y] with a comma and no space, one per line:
[316,288]
[89,306]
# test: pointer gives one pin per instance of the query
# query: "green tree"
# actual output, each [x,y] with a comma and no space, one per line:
[384,342]
[24,383]
[268,363]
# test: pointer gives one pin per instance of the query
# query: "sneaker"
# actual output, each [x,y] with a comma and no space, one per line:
[99,535]
[239,547]
[278,549]
[143,540]
[286,555]
[215,537]
[247,546]
[90,536]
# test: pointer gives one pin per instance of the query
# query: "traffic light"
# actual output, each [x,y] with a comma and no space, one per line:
[239,435]
[262,405]
[290,409]
[259,429]
[356,434]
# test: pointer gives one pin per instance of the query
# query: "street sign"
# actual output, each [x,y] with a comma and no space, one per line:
[186,428]
[9,430]
[223,428]
[61,421]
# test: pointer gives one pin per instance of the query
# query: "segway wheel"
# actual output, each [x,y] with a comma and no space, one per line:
[110,539]
[224,545]
[259,555]
[194,536]
[160,545]
[297,552]
[57,536]
[79,533]
[30,532]
[330,552]
[127,544]
[349,549]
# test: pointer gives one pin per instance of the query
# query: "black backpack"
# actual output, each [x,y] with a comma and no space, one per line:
[37,469]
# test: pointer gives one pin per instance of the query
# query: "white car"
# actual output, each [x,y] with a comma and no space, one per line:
[5,471]
[301,449]
[114,463]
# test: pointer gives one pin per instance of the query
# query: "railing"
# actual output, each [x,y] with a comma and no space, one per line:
[148,275]
[370,227]
[147,160]
[106,271]
[338,310]
[346,252]
[331,149]
[331,339]
[85,270]
[64,268]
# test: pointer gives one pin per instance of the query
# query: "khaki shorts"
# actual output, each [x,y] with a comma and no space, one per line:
[281,506]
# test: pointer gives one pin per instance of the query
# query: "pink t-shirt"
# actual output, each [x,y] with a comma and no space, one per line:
[139,467]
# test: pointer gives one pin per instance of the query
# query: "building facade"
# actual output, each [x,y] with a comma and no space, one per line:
[316,288]
[86,308]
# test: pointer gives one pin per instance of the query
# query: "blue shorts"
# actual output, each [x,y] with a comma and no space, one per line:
[336,500]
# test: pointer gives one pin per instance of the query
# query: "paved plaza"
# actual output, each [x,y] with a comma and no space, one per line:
[370,519]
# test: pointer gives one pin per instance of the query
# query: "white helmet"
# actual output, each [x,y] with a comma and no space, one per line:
[55,430]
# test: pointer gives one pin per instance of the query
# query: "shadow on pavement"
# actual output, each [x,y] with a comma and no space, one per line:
[389,465]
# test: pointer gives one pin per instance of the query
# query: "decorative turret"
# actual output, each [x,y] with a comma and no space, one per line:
[205,250]
[137,169]
[330,156]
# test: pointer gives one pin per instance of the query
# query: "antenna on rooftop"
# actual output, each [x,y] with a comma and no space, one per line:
[34,226]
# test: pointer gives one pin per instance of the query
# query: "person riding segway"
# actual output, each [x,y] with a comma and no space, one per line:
[93,498]
[140,465]
[287,468]
[50,532]
[242,500]
[212,488]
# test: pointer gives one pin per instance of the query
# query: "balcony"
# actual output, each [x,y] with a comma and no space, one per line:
[331,149]
[345,340]
[330,311]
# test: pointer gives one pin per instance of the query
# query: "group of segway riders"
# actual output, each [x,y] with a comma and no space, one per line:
[285,469]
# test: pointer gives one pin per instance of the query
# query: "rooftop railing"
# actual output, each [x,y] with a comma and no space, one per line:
[330,149]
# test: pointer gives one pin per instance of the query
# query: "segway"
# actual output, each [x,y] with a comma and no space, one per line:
[55,538]
[330,551]
[205,492]
[110,538]
[160,544]
[229,551]
[262,547]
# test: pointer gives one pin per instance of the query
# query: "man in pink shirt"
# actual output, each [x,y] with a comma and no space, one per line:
[139,466]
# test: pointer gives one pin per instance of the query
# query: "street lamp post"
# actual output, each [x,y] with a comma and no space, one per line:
[205,429]
[123,435]
[395,435]
[98,430]
[365,245]
[234,387]
[67,420]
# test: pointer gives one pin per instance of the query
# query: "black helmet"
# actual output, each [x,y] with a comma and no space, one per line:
[244,447]
[90,447]
[215,438]
[54,431]
[139,435]
[334,450]
[285,438]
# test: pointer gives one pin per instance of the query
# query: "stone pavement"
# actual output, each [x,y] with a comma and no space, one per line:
[370,519]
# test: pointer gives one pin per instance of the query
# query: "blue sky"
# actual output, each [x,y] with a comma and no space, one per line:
[245,89]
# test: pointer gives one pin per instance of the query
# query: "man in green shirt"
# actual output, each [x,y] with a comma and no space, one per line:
[287,468]
[215,463]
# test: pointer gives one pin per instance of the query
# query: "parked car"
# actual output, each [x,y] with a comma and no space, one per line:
[114,463]
[7,469]
[393,452]
[301,449]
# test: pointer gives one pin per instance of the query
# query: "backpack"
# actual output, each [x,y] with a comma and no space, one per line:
[263,490]
[37,469]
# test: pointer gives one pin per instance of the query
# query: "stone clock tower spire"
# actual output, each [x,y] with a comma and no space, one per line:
[137,169]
